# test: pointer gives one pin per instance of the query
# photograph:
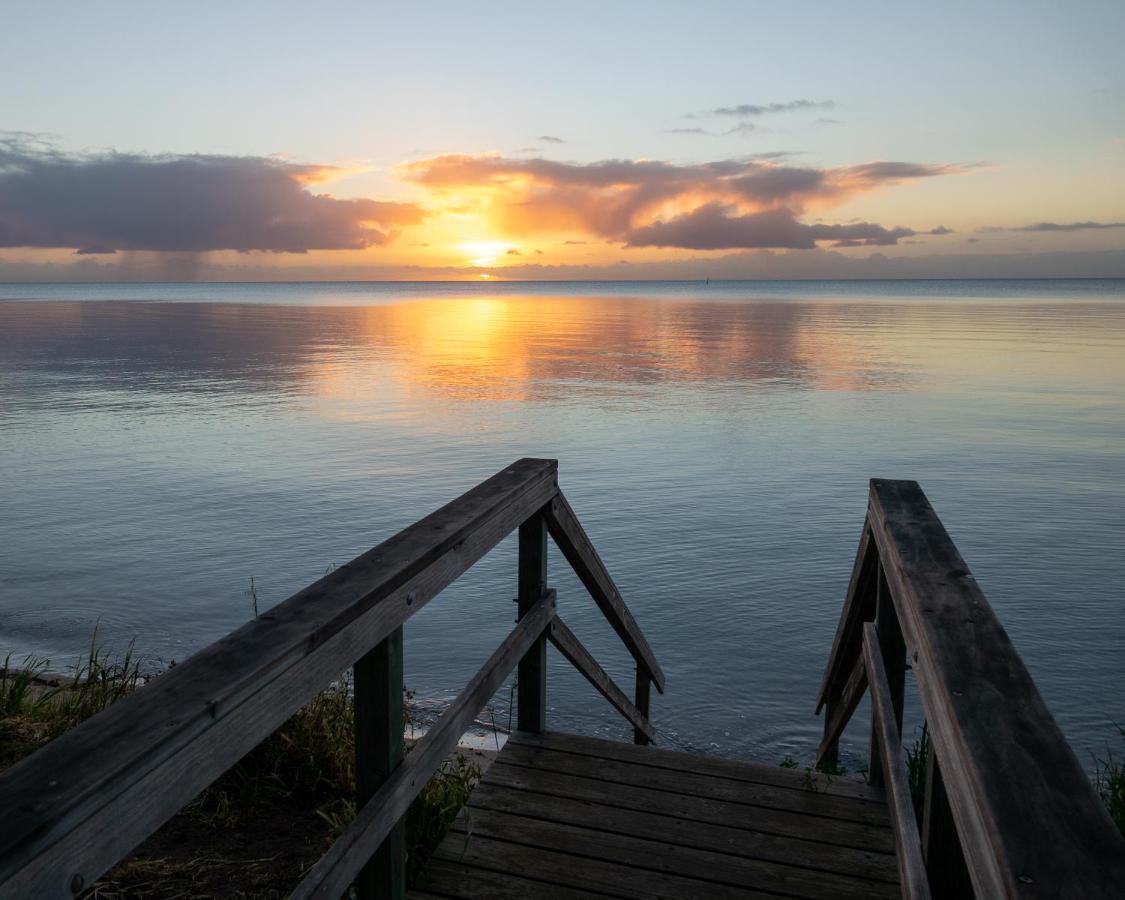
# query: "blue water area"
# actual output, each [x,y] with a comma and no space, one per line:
[164,444]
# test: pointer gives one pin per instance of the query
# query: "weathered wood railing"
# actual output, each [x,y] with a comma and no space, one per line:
[79,805]
[1009,811]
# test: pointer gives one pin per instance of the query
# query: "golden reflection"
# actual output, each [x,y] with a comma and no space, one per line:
[513,348]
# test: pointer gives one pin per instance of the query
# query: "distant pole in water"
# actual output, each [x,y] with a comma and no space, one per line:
[707,280]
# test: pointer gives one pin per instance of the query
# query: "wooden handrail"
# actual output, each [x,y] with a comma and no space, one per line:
[138,762]
[908,845]
[579,551]
[330,877]
[1028,821]
[569,646]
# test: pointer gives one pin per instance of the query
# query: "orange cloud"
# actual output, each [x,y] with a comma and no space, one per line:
[751,203]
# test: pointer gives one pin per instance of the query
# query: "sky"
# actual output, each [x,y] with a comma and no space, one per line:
[284,141]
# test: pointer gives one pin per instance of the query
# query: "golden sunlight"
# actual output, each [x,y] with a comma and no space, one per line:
[484,253]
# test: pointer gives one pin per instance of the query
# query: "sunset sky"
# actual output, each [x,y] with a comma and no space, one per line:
[594,140]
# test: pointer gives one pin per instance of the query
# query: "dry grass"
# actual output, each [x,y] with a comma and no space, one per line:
[255,830]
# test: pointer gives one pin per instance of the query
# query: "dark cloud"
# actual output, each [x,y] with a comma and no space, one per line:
[711,227]
[765,109]
[688,131]
[550,139]
[1050,227]
[102,203]
[514,252]
[941,229]
[1070,226]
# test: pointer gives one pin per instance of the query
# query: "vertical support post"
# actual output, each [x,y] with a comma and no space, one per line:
[831,753]
[531,680]
[893,649]
[644,684]
[941,847]
[378,752]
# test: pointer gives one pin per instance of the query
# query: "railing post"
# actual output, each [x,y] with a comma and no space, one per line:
[378,752]
[941,847]
[893,649]
[832,750]
[532,678]
[644,684]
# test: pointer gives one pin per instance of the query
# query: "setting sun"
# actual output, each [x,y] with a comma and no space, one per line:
[484,253]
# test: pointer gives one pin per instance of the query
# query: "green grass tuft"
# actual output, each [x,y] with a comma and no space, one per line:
[1109,779]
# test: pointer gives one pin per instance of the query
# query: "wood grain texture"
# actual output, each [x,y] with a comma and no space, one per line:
[569,646]
[729,790]
[908,844]
[859,607]
[839,710]
[592,831]
[1030,823]
[579,551]
[680,761]
[758,819]
[659,855]
[643,695]
[738,842]
[142,759]
[330,877]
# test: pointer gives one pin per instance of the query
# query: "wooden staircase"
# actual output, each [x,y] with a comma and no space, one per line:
[1008,811]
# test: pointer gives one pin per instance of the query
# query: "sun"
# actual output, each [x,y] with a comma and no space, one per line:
[484,253]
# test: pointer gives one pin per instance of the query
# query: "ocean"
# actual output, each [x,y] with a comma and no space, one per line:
[164,444]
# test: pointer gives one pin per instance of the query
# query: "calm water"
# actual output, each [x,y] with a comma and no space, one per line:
[162,444]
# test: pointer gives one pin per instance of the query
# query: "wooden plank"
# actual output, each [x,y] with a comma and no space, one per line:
[763,820]
[661,856]
[663,758]
[859,606]
[531,682]
[839,712]
[379,750]
[738,842]
[908,844]
[579,551]
[174,737]
[569,646]
[585,872]
[809,802]
[1030,822]
[892,648]
[448,879]
[334,872]
[643,699]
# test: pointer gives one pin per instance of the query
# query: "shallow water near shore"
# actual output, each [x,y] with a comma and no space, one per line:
[162,444]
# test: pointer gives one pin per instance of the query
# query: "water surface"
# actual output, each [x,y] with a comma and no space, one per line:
[162,444]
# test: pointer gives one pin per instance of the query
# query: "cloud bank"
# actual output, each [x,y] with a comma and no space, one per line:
[102,203]
[727,204]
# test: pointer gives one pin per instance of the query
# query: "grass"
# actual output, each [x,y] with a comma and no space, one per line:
[258,827]
[917,758]
[1109,778]
[817,777]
